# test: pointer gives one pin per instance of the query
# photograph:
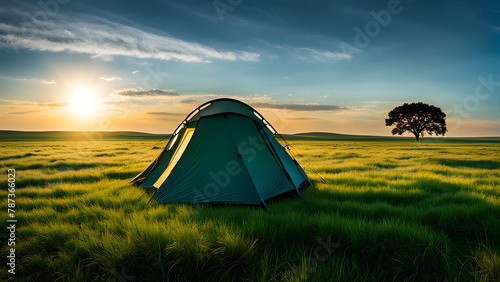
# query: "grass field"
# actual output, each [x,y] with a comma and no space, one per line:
[385,209]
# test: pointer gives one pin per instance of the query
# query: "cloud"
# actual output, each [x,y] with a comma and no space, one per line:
[494,27]
[327,55]
[143,93]
[54,104]
[134,72]
[46,81]
[188,101]
[7,101]
[165,114]
[24,112]
[345,52]
[112,78]
[303,118]
[104,39]
[39,80]
[298,107]
[29,107]
[381,102]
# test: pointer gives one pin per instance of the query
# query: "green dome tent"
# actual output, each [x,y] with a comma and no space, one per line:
[224,152]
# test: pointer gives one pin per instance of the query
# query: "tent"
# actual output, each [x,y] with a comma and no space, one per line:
[224,152]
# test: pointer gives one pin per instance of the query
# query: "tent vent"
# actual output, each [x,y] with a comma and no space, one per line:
[174,138]
[179,128]
[271,128]
[202,107]
[192,114]
[258,115]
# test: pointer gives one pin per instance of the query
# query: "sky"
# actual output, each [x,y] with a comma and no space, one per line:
[306,66]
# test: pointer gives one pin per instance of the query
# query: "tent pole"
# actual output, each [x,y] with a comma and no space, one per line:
[303,201]
[265,206]
[309,208]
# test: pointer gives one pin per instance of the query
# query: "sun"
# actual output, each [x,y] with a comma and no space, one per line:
[84,101]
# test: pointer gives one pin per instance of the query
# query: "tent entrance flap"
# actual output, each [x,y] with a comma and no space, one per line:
[188,134]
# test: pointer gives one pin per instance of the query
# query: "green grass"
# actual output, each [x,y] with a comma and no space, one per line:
[378,209]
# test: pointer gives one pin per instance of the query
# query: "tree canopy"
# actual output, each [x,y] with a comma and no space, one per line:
[417,118]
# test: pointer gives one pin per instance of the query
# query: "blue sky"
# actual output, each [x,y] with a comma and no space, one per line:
[336,66]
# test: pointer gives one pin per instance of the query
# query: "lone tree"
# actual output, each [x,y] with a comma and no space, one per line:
[417,118]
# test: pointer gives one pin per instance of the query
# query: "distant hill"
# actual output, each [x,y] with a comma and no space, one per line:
[319,136]
[327,136]
[11,135]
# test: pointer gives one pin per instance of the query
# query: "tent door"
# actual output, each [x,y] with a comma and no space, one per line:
[175,158]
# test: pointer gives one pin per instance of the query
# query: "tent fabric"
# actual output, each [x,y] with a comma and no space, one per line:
[229,157]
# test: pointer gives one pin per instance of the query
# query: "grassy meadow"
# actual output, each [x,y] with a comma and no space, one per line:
[379,209]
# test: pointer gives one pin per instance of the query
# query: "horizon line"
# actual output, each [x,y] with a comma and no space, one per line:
[311,132]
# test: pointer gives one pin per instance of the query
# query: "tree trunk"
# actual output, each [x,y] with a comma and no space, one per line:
[417,136]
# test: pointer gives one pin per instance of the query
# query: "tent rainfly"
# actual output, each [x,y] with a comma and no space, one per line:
[224,152]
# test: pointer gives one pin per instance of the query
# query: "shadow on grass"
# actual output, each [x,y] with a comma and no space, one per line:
[485,164]
[16,157]
[385,165]
[419,191]
[443,207]
[61,166]
[334,170]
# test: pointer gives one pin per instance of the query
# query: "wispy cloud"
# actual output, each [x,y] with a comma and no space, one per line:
[494,27]
[303,118]
[8,102]
[299,107]
[381,102]
[327,55]
[343,51]
[110,78]
[189,101]
[143,93]
[104,39]
[38,80]
[165,114]
[24,112]
[29,107]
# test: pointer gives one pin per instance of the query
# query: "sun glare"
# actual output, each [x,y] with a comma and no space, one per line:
[84,101]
